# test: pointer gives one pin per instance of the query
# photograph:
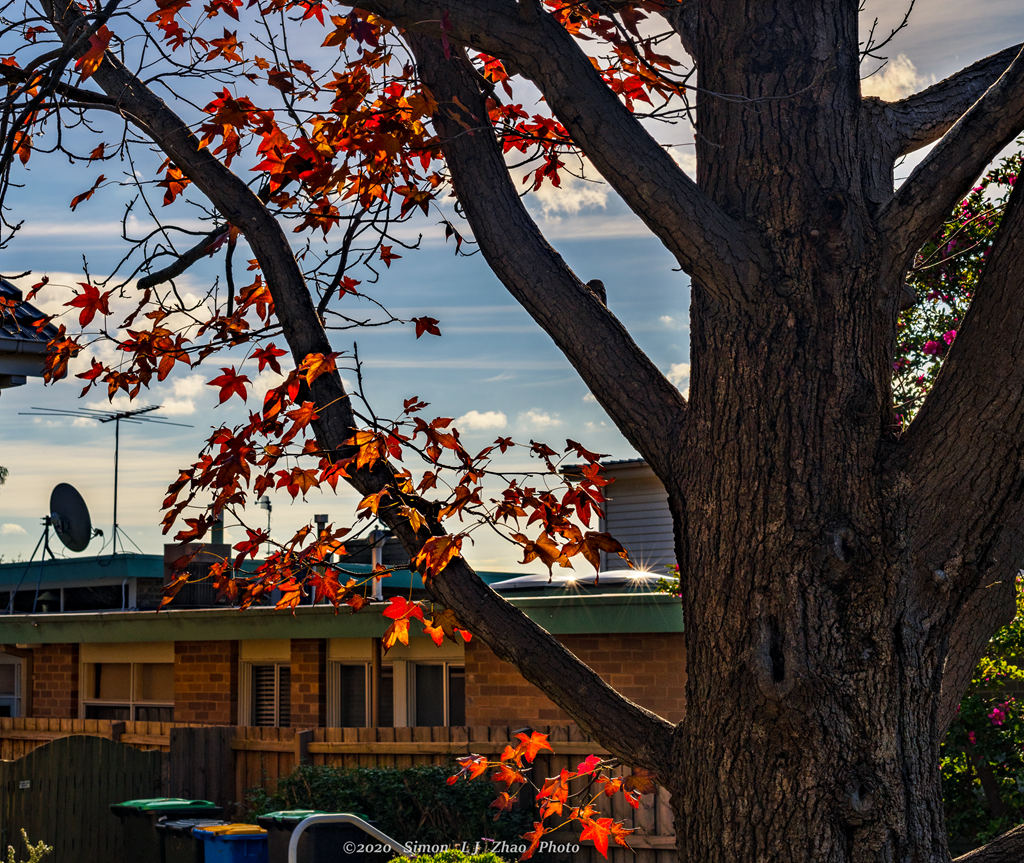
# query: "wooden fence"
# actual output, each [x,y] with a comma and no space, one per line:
[221,763]
[61,794]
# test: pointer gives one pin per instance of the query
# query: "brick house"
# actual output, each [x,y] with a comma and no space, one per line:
[81,639]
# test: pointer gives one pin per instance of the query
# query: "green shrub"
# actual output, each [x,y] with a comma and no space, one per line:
[413,804]
[35,852]
[982,757]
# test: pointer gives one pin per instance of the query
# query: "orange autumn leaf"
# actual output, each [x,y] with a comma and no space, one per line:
[91,59]
[474,765]
[317,364]
[533,744]
[397,632]
[598,831]
[436,553]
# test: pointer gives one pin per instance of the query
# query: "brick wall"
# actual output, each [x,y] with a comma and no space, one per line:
[54,686]
[309,682]
[650,669]
[206,682]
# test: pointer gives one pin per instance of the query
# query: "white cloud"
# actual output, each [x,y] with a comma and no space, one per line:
[573,195]
[685,159]
[897,79]
[679,374]
[482,420]
[667,320]
[538,420]
[10,529]
[590,397]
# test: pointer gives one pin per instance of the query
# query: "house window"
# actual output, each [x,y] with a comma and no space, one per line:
[141,691]
[350,691]
[438,694]
[10,685]
[270,694]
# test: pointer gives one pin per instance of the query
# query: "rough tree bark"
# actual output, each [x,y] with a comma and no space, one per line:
[839,579]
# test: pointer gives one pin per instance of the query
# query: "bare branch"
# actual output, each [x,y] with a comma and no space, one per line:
[643,404]
[722,254]
[632,733]
[925,117]
[1008,848]
[928,196]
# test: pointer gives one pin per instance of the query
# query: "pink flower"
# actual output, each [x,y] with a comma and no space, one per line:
[971,736]
[933,348]
[997,716]
[949,336]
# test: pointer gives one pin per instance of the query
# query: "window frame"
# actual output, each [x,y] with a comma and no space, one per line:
[16,700]
[334,707]
[134,702]
[246,692]
[447,666]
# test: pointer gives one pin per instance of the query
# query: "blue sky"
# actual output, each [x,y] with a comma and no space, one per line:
[493,368]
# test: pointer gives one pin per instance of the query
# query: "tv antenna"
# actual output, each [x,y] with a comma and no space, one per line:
[136,415]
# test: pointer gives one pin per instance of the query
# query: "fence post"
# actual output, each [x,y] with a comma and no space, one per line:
[202,764]
[302,739]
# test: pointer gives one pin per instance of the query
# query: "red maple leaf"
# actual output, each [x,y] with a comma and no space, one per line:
[90,301]
[230,383]
[426,325]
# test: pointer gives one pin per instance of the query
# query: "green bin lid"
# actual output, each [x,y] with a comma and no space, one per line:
[289,815]
[165,804]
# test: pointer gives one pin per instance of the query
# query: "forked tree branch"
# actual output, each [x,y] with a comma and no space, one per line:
[965,448]
[632,733]
[1008,848]
[926,116]
[724,255]
[929,194]
[645,407]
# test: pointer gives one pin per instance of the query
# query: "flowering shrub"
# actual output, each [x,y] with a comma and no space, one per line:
[943,280]
[983,754]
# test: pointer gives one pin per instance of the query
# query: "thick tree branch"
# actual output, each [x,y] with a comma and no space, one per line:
[634,734]
[721,253]
[929,194]
[991,605]
[641,402]
[1008,848]
[682,17]
[964,453]
[925,117]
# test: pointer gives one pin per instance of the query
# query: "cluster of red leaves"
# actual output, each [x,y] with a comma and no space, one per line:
[556,798]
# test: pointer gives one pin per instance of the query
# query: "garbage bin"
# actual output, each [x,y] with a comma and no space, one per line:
[233,843]
[321,843]
[139,819]
[177,844]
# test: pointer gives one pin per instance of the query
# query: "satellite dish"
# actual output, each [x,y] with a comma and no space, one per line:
[70,517]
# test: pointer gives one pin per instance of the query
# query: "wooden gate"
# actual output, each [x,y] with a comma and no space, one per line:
[61,794]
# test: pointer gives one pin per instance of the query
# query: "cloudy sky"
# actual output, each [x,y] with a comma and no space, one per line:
[493,369]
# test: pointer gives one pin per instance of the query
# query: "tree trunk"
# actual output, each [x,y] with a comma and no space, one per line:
[813,666]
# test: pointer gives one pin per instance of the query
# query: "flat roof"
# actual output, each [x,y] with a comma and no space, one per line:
[560,615]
